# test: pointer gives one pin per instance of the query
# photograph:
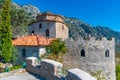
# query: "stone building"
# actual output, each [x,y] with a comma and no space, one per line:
[46,28]
[89,54]
[92,55]
[31,46]
[49,25]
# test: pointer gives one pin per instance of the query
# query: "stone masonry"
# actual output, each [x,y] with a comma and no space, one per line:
[99,54]
[89,54]
[50,70]
[51,24]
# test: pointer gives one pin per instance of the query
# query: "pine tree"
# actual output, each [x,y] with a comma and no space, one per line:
[5,33]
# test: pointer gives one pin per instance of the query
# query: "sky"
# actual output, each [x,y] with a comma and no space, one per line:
[94,12]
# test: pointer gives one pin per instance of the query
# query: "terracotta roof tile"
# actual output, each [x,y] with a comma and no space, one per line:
[32,40]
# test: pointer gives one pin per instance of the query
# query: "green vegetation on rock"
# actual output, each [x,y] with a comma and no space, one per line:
[19,21]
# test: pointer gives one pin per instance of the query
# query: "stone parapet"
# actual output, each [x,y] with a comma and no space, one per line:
[77,74]
[50,70]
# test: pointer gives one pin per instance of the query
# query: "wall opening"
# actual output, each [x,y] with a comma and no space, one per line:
[40,26]
[82,53]
[107,53]
[33,32]
[24,52]
[47,32]
[62,27]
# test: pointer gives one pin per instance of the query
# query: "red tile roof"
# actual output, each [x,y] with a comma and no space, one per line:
[32,40]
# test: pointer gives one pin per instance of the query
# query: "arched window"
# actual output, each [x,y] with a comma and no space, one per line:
[40,26]
[62,27]
[47,32]
[24,52]
[33,32]
[82,53]
[107,54]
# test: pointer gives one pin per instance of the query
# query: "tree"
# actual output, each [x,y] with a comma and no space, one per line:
[1,3]
[56,50]
[5,33]
[19,21]
[14,55]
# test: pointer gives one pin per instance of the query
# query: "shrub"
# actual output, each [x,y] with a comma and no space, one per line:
[117,71]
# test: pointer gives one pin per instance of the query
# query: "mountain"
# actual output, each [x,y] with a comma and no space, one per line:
[32,11]
[16,5]
[80,28]
[21,16]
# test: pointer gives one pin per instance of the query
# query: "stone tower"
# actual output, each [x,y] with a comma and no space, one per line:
[49,25]
[91,55]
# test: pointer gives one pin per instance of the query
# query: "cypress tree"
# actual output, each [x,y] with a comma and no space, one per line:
[5,33]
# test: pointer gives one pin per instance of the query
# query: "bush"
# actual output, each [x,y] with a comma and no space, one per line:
[117,71]
[15,67]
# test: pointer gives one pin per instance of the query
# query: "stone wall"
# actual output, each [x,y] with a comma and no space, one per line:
[56,29]
[50,70]
[61,31]
[42,31]
[94,59]
[77,74]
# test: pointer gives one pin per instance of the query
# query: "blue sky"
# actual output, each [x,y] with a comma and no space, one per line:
[95,12]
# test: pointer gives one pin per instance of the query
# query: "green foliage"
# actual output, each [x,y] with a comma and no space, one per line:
[99,75]
[56,50]
[1,3]
[15,67]
[19,21]
[14,55]
[117,71]
[5,33]
[57,47]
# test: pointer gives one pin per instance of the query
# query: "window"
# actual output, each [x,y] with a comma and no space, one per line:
[40,26]
[33,32]
[62,27]
[24,52]
[82,53]
[107,53]
[47,32]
